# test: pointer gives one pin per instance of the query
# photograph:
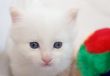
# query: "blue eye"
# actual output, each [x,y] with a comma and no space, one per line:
[34,45]
[57,45]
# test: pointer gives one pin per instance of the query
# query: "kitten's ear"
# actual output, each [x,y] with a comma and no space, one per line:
[72,14]
[15,13]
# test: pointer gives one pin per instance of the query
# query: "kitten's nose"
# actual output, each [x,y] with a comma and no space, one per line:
[46,60]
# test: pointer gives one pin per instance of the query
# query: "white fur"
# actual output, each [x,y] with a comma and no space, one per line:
[45,26]
[4,65]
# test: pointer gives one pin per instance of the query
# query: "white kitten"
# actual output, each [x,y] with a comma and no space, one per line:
[40,42]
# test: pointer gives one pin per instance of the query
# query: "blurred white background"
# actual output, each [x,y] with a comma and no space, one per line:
[92,14]
[4,21]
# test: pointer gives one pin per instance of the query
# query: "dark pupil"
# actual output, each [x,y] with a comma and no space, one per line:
[34,45]
[57,45]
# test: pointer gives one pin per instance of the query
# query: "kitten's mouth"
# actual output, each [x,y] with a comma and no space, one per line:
[46,65]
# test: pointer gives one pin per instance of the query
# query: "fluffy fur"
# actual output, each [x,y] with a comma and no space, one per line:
[44,26]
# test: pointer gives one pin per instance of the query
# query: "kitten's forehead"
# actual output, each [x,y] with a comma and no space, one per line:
[46,27]
[45,20]
[41,24]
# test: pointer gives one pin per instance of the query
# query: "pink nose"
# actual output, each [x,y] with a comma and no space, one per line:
[46,60]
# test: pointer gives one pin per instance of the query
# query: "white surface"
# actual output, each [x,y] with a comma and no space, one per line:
[102,5]
[4,21]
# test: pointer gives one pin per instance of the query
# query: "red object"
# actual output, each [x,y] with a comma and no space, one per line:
[99,41]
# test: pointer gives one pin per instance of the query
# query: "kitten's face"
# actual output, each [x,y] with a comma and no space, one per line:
[45,40]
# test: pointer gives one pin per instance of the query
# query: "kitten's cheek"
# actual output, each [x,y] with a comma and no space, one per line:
[36,63]
[35,59]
